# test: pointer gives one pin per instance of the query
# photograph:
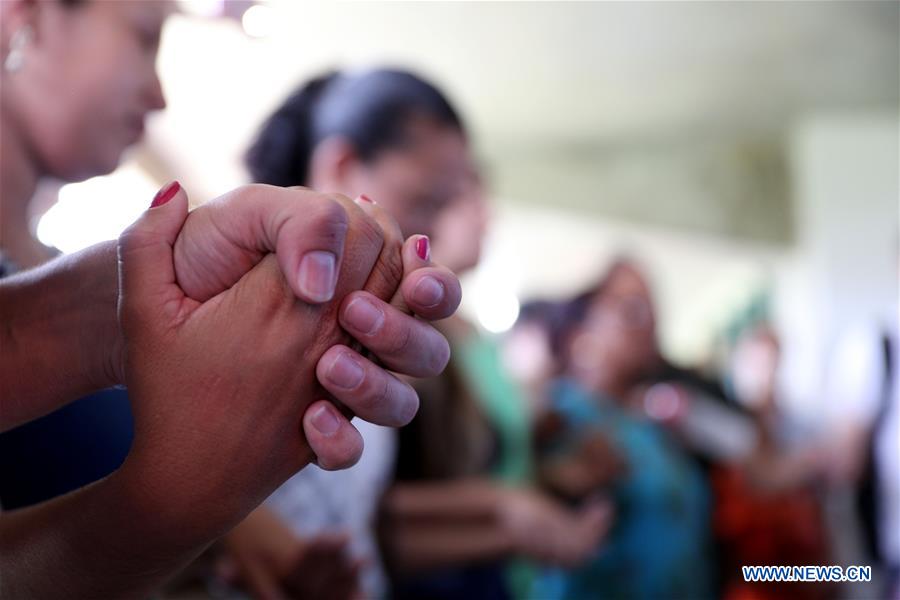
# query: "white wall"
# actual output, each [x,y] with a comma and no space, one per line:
[844,269]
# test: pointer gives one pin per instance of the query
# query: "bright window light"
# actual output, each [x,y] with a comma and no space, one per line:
[96,210]
[203,8]
[258,20]
[496,309]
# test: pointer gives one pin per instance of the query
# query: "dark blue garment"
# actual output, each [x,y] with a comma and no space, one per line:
[484,582]
[82,442]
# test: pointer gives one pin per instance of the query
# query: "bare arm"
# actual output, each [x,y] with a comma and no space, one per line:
[101,541]
[59,337]
[433,525]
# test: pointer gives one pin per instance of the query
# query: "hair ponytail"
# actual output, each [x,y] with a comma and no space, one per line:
[370,109]
[284,145]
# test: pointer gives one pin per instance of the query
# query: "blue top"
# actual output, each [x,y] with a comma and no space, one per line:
[69,448]
[659,546]
[81,442]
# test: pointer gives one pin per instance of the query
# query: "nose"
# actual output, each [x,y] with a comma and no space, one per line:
[155,98]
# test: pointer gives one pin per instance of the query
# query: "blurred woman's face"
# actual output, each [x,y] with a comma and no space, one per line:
[87,83]
[617,341]
[430,187]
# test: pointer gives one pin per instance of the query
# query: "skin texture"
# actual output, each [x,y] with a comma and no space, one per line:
[235,415]
[227,236]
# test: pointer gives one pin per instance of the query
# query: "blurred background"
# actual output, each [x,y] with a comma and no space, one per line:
[745,153]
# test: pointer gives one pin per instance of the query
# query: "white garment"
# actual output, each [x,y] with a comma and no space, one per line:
[887,461]
[315,501]
[854,382]
[854,395]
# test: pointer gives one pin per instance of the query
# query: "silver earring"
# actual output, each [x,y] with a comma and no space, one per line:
[16,57]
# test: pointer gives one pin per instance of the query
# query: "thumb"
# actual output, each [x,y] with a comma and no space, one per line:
[146,266]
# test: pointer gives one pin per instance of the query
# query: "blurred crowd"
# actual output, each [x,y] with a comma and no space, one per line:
[567,458]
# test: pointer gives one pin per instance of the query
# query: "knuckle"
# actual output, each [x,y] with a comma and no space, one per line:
[249,192]
[402,340]
[133,238]
[126,243]
[329,216]
[390,263]
[377,395]
[270,290]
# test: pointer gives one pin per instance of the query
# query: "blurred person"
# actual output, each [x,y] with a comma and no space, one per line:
[395,136]
[762,510]
[767,503]
[694,407]
[170,309]
[860,449]
[850,465]
[606,442]
[859,445]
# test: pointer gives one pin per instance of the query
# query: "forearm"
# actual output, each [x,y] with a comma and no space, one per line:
[60,337]
[97,542]
[433,525]
[464,499]
[423,546]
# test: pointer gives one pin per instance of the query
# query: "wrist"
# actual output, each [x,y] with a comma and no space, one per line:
[104,347]
[503,505]
[191,504]
[183,513]
[114,362]
[161,521]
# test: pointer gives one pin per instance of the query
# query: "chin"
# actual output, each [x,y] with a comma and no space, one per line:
[100,165]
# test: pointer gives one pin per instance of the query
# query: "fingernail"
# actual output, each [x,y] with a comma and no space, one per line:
[423,248]
[165,193]
[318,275]
[345,372]
[428,292]
[364,198]
[325,421]
[363,316]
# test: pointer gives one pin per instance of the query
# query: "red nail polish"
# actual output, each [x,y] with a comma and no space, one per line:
[365,198]
[166,193]
[423,248]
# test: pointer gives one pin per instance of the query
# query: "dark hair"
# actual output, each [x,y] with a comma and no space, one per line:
[561,318]
[370,109]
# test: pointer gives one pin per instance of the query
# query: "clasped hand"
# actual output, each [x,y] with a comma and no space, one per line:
[243,324]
